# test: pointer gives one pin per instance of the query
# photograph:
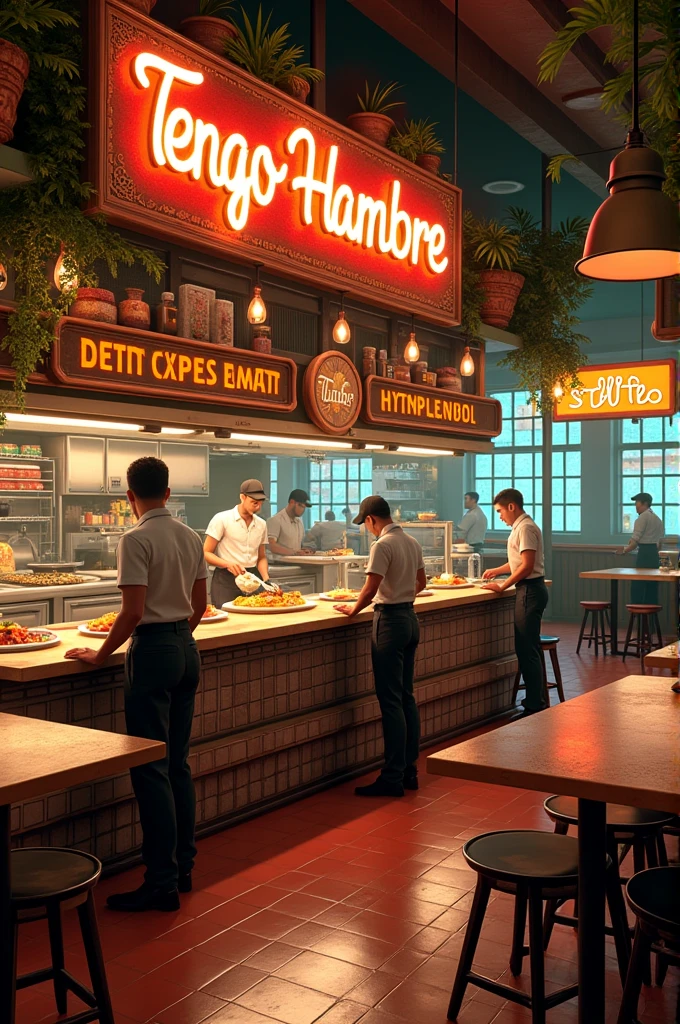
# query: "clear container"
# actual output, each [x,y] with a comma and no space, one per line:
[474,567]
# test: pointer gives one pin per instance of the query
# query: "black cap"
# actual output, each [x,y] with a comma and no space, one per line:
[373,506]
[254,489]
[300,496]
[643,496]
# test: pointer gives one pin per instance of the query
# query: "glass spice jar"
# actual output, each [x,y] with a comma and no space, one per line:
[262,339]
[369,361]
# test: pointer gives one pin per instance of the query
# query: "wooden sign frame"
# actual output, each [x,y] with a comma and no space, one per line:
[666,326]
[431,400]
[329,416]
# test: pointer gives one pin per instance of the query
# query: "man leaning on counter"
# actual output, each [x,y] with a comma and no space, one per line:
[648,533]
[235,542]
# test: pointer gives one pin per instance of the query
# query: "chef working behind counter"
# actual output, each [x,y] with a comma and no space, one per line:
[235,542]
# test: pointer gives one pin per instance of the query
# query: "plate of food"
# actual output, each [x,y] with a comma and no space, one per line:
[44,579]
[448,581]
[340,594]
[99,626]
[264,604]
[214,614]
[338,552]
[14,637]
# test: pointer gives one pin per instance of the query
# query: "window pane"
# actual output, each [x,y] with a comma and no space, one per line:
[558,490]
[558,518]
[325,470]
[352,469]
[630,463]
[573,518]
[325,493]
[671,461]
[652,461]
[526,486]
[574,433]
[671,520]
[630,432]
[559,433]
[339,491]
[353,491]
[482,465]
[367,469]
[523,465]
[314,471]
[653,486]
[573,489]
[483,487]
[339,469]
[504,439]
[652,429]
[558,464]
[523,432]
[503,468]
[538,465]
[573,464]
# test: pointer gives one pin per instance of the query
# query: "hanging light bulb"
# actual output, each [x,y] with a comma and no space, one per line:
[467,363]
[63,279]
[341,331]
[635,234]
[412,351]
[257,311]
[557,391]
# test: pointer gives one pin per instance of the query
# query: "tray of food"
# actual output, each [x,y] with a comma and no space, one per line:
[17,638]
[266,603]
[214,614]
[448,581]
[340,594]
[45,579]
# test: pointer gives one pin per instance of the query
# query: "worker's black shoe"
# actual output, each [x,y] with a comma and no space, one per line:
[144,898]
[380,788]
[184,881]
[411,778]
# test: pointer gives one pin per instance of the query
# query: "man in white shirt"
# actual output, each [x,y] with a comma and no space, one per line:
[394,575]
[526,568]
[162,578]
[648,533]
[473,526]
[235,542]
[285,530]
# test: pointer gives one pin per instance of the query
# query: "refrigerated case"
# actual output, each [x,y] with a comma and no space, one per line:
[436,540]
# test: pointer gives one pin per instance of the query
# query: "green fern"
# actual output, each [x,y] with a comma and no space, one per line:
[32,16]
[375,101]
[264,53]
[214,8]
[415,138]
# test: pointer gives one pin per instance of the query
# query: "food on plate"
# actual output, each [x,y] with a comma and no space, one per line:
[6,558]
[335,552]
[210,611]
[103,623]
[42,579]
[342,594]
[290,600]
[427,517]
[447,579]
[13,635]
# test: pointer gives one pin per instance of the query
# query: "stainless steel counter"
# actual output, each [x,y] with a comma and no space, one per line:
[37,606]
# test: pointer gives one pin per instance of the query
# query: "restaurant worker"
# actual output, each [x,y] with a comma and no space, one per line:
[525,565]
[326,535]
[162,579]
[285,530]
[235,541]
[648,533]
[473,526]
[394,575]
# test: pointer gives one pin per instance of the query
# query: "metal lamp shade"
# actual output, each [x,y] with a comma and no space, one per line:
[635,234]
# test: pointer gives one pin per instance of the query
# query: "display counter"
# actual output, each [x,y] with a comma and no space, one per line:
[286,705]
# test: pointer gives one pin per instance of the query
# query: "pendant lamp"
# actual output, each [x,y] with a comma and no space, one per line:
[412,350]
[635,234]
[341,331]
[257,311]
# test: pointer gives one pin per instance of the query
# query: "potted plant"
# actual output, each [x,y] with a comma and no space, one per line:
[32,16]
[209,28]
[417,141]
[144,6]
[265,55]
[496,253]
[371,120]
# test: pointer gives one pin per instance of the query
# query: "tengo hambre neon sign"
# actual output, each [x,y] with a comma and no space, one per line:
[253,176]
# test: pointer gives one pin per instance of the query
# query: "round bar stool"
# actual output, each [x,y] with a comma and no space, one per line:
[533,867]
[599,610]
[43,879]
[549,644]
[654,897]
[646,617]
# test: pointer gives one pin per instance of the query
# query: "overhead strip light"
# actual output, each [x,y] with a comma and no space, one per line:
[423,451]
[68,421]
[296,442]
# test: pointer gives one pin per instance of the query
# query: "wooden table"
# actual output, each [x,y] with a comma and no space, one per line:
[632,575]
[38,758]
[618,744]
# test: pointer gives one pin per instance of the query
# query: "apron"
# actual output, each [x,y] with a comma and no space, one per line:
[223,587]
[643,592]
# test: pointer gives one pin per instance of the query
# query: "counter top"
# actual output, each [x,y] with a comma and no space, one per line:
[12,594]
[239,628]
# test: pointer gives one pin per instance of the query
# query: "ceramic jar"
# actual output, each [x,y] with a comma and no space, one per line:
[262,339]
[95,304]
[14,67]
[133,311]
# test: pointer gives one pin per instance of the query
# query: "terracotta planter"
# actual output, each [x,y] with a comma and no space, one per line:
[296,87]
[14,65]
[212,33]
[95,304]
[376,127]
[501,290]
[133,311]
[141,5]
[429,162]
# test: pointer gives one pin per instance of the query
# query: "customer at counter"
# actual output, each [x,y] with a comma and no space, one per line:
[395,574]
[474,524]
[235,542]
[162,578]
[526,568]
[285,530]
[648,534]
[326,535]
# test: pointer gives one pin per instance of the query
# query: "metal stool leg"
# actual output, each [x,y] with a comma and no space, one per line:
[554,660]
[57,951]
[619,919]
[519,924]
[536,956]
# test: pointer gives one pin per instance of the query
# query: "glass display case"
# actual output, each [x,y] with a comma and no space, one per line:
[436,540]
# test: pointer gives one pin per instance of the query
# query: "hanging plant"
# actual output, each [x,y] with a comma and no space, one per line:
[43,219]
[545,315]
[472,292]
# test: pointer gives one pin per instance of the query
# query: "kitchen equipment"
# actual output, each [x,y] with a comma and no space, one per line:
[54,566]
[95,550]
[24,549]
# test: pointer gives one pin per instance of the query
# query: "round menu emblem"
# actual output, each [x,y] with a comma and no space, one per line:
[332,392]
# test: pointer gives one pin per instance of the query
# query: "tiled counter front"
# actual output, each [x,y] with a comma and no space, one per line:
[272,720]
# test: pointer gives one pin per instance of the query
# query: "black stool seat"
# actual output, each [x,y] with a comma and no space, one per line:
[619,817]
[45,874]
[525,856]
[549,639]
[654,897]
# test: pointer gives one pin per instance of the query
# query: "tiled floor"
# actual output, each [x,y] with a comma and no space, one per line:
[335,910]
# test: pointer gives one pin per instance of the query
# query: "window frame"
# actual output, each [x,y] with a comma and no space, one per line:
[622,504]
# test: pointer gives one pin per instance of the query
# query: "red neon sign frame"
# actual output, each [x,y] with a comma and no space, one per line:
[327,206]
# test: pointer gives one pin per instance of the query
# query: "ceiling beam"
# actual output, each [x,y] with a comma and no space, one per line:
[427,29]
[556,15]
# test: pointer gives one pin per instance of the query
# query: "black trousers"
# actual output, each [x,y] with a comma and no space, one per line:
[530,603]
[223,586]
[645,591]
[162,669]
[396,634]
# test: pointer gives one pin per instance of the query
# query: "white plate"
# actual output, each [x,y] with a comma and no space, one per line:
[219,617]
[100,633]
[269,611]
[338,600]
[39,646]
[450,586]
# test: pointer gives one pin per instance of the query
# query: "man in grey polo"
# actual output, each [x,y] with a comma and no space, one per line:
[395,574]
[162,578]
[285,530]
[473,526]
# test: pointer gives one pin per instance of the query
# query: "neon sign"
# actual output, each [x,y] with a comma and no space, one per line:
[621,390]
[188,147]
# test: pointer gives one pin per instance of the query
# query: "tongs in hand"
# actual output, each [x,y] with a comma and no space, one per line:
[272,588]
